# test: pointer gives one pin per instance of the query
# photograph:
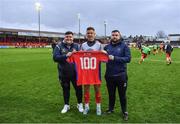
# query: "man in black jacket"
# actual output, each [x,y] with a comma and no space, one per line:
[67,71]
[53,44]
[116,71]
[168,50]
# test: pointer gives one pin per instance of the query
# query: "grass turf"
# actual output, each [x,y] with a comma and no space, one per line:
[30,91]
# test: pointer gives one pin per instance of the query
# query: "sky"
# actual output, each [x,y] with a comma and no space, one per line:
[130,17]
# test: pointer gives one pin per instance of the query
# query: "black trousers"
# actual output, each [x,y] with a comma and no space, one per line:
[120,83]
[65,83]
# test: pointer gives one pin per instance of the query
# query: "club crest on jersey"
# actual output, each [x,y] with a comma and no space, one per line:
[63,50]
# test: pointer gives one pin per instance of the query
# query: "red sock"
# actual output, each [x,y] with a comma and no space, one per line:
[98,97]
[86,97]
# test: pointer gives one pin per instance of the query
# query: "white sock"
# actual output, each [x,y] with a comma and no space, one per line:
[87,105]
[98,105]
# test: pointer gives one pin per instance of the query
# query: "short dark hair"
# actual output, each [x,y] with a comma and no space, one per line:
[115,31]
[90,28]
[69,32]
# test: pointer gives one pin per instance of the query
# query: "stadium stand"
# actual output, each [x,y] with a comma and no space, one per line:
[20,38]
[30,38]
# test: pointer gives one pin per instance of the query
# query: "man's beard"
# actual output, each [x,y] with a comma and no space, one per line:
[68,42]
[115,41]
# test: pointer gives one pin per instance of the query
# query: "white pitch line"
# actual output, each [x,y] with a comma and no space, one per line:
[154,60]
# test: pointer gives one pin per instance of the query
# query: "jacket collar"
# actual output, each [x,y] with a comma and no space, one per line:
[91,43]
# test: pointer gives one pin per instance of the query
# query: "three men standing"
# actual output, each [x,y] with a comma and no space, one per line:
[116,71]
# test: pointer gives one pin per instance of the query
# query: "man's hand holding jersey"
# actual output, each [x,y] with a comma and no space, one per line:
[70,53]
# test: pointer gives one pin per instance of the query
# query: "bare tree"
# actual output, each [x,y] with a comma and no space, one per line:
[161,34]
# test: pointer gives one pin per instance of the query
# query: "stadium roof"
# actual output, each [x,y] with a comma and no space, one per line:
[23,32]
[174,35]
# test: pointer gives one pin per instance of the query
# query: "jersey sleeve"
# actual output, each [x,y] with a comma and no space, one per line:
[70,59]
[103,57]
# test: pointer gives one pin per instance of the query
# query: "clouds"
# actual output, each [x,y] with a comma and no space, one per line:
[129,16]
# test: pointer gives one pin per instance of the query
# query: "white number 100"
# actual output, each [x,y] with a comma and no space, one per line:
[88,63]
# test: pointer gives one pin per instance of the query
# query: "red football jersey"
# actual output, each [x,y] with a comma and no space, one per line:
[88,65]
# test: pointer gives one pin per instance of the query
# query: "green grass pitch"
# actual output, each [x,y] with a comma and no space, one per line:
[30,91]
